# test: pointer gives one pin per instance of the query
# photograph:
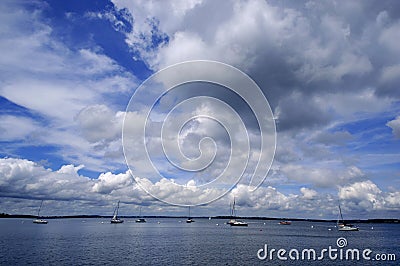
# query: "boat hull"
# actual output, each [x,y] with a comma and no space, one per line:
[117,221]
[239,223]
[243,225]
[40,221]
[348,228]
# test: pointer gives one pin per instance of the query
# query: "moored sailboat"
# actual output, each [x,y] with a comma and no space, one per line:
[140,219]
[38,220]
[233,221]
[189,219]
[115,219]
[342,226]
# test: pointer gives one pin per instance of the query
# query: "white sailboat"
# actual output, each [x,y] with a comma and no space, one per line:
[233,221]
[38,220]
[115,219]
[341,224]
[141,219]
[189,219]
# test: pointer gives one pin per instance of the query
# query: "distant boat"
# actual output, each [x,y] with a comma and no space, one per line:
[233,221]
[38,220]
[141,219]
[189,219]
[239,223]
[342,226]
[115,219]
[285,222]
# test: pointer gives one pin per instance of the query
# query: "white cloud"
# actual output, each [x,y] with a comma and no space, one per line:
[367,196]
[84,195]
[100,123]
[248,33]
[395,126]
[308,193]
[17,128]
[315,62]
[322,175]
[108,182]
[58,83]
[23,177]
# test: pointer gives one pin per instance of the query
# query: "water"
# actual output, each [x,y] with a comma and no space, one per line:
[170,242]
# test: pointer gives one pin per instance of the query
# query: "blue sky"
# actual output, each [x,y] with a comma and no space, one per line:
[330,73]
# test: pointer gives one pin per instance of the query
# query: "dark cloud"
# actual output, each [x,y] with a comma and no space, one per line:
[298,111]
[333,138]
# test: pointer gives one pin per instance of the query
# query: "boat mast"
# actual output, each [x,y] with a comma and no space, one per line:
[116,211]
[40,207]
[340,213]
[233,208]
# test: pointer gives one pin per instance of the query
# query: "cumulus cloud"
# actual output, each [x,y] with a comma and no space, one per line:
[108,182]
[308,193]
[22,177]
[367,196]
[314,62]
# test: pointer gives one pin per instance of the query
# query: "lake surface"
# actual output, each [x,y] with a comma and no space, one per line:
[174,242]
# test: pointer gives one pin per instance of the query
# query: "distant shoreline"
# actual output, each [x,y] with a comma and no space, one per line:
[391,221]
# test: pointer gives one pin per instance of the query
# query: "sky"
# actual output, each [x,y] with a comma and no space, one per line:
[329,71]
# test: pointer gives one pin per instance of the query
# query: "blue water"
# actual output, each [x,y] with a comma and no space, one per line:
[171,242]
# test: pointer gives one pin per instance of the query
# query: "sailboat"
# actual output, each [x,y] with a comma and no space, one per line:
[189,219]
[38,220]
[342,226]
[115,219]
[233,221]
[141,219]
